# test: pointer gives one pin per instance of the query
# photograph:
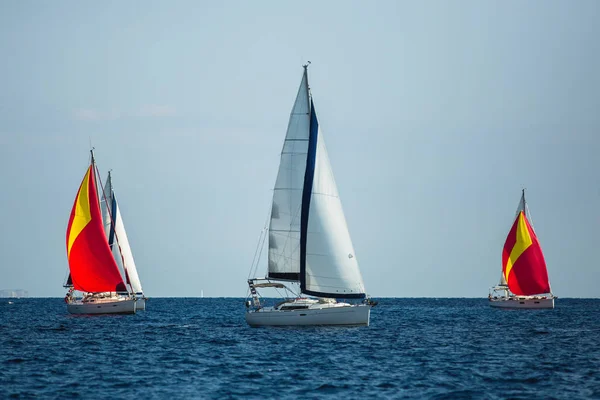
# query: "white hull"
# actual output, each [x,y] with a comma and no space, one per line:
[522,302]
[140,304]
[109,306]
[356,315]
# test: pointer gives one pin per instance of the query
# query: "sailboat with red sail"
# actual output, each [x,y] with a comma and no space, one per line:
[93,269]
[524,281]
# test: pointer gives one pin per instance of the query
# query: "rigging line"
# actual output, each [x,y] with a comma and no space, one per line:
[260,244]
[265,238]
[260,247]
[255,253]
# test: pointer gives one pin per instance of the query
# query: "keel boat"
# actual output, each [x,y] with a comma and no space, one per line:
[524,281]
[310,254]
[93,270]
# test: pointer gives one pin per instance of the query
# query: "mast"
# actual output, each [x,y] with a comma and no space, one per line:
[524,203]
[308,94]
[94,173]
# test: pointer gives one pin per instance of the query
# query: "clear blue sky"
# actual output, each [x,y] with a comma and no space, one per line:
[435,114]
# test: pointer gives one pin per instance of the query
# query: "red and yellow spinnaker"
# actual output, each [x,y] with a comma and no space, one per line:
[93,268]
[523,263]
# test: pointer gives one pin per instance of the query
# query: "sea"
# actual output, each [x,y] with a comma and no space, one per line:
[201,348]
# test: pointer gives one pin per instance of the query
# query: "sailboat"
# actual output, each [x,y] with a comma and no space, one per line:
[524,281]
[92,265]
[310,253]
[119,243]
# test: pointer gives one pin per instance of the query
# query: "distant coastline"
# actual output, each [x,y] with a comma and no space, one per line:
[13,293]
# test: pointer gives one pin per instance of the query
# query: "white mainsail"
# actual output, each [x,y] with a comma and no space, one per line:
[284,226]
[118,238]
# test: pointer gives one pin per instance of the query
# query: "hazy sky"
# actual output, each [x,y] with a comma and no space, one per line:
[435,115]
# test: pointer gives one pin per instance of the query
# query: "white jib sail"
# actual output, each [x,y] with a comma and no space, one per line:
[331,265]
[121,249]
[284,225]
[128,262]
[106,199]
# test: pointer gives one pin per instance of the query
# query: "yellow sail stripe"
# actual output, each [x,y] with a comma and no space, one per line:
[521,244]
[83,215]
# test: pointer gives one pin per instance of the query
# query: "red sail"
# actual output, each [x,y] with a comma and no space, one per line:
[523,263]
[93,268]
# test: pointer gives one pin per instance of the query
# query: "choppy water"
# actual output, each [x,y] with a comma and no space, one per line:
[202,348]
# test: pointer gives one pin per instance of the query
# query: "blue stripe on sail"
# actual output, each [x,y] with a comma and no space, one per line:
[309,175]
[113,216]
[335,295]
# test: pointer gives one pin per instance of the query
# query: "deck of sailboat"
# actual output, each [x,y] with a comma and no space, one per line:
[295,314]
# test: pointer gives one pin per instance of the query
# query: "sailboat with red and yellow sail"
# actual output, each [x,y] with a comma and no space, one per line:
[524,281]
[93,268]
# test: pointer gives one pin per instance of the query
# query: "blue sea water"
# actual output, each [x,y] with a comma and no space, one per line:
[202,348]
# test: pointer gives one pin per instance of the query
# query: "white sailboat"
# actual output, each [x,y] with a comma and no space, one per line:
[310,250]
[119,243]
[92,266]
[524,281]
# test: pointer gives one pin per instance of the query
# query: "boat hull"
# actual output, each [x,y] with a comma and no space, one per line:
[113,306]
[356,315]
[140,304]
[522,303]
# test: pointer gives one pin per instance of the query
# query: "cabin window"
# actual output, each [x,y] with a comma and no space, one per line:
[294,307]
